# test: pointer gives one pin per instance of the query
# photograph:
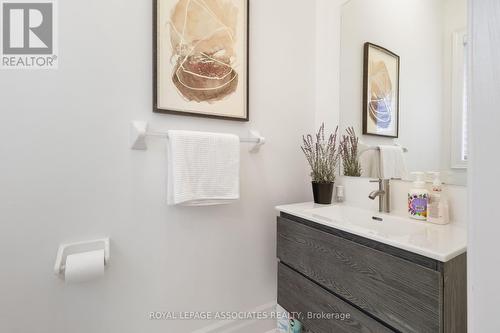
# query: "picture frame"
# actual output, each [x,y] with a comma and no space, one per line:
[205,76]
[381,71]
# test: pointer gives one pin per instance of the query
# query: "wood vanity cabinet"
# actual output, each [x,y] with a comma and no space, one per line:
[340,282]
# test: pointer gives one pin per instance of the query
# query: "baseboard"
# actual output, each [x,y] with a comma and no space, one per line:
[244,326]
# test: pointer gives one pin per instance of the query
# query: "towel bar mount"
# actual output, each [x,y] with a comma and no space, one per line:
[139,132]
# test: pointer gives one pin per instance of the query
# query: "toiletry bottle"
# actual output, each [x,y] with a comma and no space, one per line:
[438,209]
[418,198]
[340,193]
[295,326]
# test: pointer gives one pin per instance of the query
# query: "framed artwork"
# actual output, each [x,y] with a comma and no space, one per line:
[380,92]
[200,50]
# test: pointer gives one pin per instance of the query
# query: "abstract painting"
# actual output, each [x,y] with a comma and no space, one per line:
[201,58]
[380,92]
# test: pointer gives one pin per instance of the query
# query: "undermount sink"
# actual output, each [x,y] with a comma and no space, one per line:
[435,241]
[377,223]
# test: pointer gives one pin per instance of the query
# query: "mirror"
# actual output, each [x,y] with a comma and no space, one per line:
[403,74]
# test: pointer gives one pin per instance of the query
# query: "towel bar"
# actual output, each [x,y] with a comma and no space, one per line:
[139,132]
[367,148]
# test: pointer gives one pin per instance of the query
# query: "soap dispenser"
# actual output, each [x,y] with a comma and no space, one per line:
[418,198]
[438,209]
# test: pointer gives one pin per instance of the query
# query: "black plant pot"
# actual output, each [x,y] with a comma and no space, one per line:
[322,193]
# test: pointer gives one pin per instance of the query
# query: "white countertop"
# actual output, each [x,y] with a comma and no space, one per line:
[438,242]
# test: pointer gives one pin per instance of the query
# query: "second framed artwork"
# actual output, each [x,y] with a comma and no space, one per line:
[201,58]
[380,91]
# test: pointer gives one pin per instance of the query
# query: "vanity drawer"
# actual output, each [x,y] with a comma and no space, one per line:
[400,293]
[298,294]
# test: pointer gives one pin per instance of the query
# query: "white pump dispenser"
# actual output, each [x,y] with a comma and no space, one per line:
[438,209]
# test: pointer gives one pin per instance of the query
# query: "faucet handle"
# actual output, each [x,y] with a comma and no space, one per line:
[376,181]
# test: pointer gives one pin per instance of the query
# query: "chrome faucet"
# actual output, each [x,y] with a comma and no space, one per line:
[383,193]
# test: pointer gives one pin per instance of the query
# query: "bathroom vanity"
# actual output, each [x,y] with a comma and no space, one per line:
[344,269]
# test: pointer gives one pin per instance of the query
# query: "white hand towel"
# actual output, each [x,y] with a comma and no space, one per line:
[370,163]
[392,163]
[203,168]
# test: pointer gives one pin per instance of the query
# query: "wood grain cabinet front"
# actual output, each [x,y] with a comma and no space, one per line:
[320,310]
[395,292]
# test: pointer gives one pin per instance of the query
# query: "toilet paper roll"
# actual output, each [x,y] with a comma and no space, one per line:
[84,266]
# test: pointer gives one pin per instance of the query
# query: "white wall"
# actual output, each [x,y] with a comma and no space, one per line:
[67,173]
[484,227]
[418,41]
[327,62]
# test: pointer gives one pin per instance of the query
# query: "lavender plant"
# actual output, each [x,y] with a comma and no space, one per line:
[348,149]
[322,155]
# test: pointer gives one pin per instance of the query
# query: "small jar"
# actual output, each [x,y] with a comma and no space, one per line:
[340,193]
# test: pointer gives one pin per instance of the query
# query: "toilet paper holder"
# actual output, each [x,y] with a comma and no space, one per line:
[74,248]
